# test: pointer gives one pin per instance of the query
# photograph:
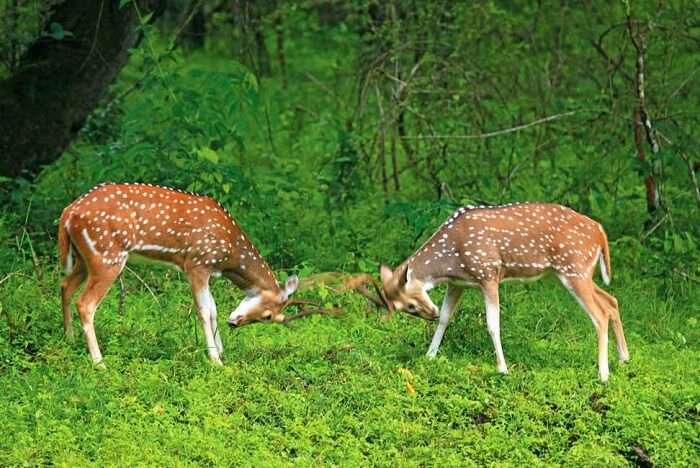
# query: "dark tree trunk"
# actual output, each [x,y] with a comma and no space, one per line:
[59,82]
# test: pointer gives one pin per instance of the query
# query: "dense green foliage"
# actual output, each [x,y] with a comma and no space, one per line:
[302,157]
[337,391]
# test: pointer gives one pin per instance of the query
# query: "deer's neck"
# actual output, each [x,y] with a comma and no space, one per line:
[435,262]
[249,275]
[246,268]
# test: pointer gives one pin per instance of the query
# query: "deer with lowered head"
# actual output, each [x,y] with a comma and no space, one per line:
[114,223]
[483,246]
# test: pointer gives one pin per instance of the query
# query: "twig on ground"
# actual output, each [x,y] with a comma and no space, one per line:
[655,227]
[145,284]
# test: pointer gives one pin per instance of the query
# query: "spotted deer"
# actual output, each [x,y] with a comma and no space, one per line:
[114,223]
[483,246]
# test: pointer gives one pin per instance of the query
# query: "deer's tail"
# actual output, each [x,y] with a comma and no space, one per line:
[604,258]
[66,254]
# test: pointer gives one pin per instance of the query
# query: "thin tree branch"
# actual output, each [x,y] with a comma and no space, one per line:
[655,227]
[382,137]
[495,133]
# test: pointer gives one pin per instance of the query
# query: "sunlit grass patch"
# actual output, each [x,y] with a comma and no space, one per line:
[355,390]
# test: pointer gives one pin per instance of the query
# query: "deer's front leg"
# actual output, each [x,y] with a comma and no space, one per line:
[448,305]
[199,281]
[493,312]
[215,325]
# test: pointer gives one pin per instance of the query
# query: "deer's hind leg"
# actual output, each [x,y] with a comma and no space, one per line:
[98,284]
[583,290]
[606,300]
[68,287]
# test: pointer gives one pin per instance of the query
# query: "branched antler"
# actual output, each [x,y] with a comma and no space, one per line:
[344,282]
[358,283]
[308,308]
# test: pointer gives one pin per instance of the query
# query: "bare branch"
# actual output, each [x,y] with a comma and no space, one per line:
[683,84]
[382,139]
[495,133]
[8,276]
[616,64]
[173,44]
[654,227]
[323,87]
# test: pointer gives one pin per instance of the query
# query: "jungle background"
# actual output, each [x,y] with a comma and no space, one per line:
[340,135]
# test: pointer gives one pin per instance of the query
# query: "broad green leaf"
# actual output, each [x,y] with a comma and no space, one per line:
[208,154]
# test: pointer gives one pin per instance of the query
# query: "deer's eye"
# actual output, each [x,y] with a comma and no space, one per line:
[411,307]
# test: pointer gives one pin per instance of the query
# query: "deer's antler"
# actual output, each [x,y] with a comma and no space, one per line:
[308,308]
[359,283]
[342,282]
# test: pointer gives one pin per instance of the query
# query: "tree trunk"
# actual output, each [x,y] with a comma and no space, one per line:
[59,81]
[642,121]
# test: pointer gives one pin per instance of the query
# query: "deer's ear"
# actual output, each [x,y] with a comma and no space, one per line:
[385,274]
[290,286]
[408,276]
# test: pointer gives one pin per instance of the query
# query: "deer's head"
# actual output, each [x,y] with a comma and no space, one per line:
[263,306]
[408,294]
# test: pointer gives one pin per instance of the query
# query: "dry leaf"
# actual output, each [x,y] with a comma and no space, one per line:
[410,389]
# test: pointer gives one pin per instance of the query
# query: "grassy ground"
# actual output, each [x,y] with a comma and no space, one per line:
[351,391]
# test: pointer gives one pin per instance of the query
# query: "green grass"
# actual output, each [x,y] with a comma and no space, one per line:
[350,391]
[357,390]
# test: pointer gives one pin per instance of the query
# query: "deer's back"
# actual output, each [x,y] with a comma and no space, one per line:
[520,240]
[154,221]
